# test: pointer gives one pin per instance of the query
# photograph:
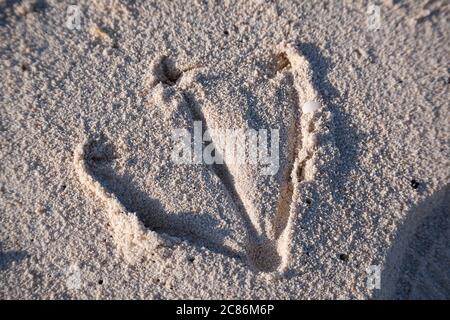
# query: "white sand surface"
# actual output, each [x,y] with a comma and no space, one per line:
[94,207]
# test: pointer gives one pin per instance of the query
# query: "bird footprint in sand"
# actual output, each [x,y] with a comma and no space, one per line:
[241,210]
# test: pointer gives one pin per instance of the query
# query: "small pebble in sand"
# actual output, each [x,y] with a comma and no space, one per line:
[414,184]
[100,33]
[344,257]
[311,106]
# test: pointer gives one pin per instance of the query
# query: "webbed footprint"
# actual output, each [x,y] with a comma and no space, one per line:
[240,208]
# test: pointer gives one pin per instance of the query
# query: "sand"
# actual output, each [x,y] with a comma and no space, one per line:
[94,207]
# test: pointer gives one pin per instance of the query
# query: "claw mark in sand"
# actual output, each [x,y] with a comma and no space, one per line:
[302,141]
[132,238]
[133,217]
